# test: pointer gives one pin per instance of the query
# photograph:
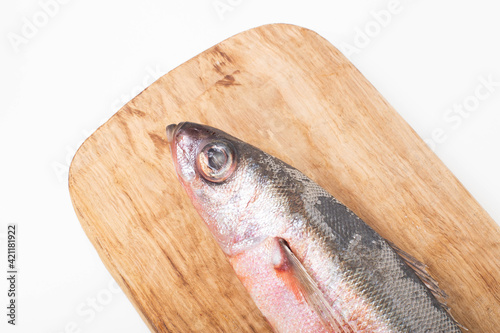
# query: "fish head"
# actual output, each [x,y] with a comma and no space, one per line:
[220,176]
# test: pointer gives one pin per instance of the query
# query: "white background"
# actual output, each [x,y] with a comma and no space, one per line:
[67,66]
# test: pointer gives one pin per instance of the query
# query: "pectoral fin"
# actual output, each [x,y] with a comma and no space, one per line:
[300,282]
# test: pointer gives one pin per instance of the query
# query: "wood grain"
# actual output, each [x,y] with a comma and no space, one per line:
[288,91]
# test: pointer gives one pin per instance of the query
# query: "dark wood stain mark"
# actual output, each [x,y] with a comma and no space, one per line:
[218,67]
[222,60]
[223,54]
[135,112]
[228,80]
[159,142]
[174,266]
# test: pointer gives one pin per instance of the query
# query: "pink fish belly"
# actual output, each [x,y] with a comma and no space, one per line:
[273,293]
[277,295]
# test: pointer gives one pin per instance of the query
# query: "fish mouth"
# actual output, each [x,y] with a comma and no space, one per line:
[172,131]
[182,144]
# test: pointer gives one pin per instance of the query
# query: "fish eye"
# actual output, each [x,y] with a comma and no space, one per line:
[216,161]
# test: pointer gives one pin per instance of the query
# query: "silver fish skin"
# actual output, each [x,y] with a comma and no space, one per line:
[309,263]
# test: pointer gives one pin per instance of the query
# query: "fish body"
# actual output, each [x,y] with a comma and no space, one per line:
[309,263]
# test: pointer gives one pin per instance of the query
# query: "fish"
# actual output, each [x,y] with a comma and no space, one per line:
[309,263]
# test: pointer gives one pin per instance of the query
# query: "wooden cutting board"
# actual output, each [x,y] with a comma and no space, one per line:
[288,91]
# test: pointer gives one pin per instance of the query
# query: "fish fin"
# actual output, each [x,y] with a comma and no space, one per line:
[421,270]
[331,318]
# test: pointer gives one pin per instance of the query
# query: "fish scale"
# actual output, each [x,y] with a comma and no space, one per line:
[309,263]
